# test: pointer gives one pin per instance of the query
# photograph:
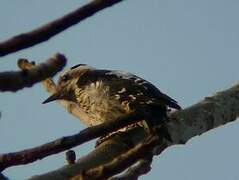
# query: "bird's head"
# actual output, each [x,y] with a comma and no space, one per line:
[68,82]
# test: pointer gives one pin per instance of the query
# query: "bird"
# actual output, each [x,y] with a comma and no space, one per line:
[104,95]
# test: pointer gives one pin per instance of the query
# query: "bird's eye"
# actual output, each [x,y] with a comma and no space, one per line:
[65,78]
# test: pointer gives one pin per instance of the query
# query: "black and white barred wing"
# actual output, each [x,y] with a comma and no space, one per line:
[127,87]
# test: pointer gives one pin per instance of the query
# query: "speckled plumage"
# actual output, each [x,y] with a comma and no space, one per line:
[105,94]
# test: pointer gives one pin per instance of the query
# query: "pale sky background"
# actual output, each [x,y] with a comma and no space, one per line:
[187,48]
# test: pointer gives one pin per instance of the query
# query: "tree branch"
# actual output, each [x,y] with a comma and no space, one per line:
[67,142]
[102,154]
[51,29]
[13,81]
[208,114]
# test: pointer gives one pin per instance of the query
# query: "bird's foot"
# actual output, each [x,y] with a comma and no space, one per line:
[105,138]
[117,137]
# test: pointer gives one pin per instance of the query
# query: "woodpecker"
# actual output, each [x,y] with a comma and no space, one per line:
[104,95]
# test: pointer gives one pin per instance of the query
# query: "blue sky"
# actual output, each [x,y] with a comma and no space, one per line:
[187,48]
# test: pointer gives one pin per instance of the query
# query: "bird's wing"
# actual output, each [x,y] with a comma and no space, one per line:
[128,87]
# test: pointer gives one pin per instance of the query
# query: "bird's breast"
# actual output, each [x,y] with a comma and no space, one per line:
[97,104]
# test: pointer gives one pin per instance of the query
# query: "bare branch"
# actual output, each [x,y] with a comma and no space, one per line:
[210,113]
[103,153]
[65,143]
[13,81]
[51,29]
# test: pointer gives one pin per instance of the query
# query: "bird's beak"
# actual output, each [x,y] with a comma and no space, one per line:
[53,97]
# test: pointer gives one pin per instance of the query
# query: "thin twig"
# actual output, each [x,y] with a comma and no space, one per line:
[65,143]
[50,29]
[13,81]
